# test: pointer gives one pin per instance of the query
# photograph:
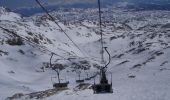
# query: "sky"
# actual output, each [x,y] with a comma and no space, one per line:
[30,3]
[14,4]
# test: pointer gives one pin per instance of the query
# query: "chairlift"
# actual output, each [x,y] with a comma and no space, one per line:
[79,80]
[103,86]
[87,78]
[58,84]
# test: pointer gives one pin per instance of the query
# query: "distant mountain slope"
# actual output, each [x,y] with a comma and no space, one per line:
[29,8]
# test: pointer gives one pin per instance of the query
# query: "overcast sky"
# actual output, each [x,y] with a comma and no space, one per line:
[30,3]
[20,3]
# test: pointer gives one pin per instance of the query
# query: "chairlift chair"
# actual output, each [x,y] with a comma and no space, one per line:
[80,80]
[59,84]
[103,86]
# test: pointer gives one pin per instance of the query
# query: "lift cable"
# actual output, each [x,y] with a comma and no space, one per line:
[36,45]
[53,19]
[101,32]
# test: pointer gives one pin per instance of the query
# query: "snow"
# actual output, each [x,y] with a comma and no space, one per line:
[22,73]
[9,16]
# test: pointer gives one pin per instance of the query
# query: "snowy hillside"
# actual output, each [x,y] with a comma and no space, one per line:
[139,43]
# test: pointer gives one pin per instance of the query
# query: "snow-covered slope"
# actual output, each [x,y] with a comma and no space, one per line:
[139,45]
